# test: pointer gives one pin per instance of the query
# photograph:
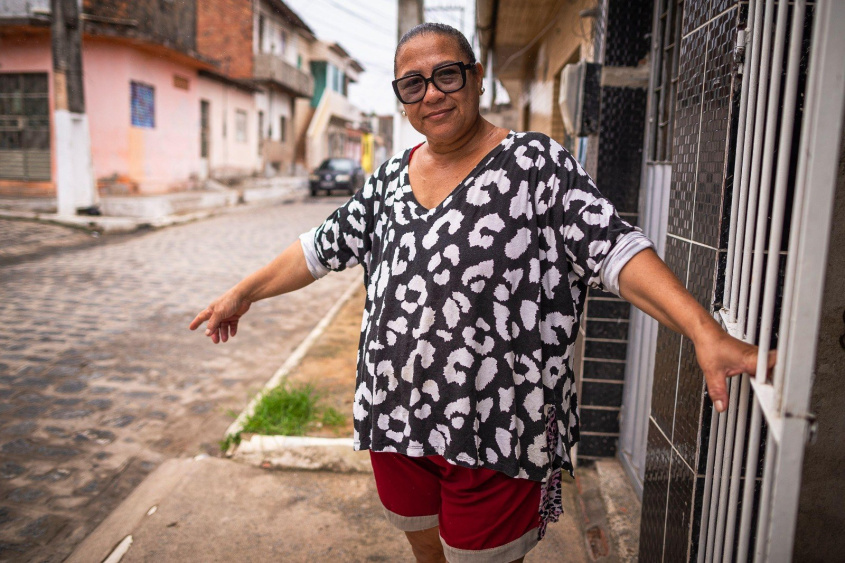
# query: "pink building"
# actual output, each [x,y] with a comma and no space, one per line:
[165,110]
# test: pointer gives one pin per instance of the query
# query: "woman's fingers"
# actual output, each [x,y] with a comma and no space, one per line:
[213,325]
[773,359]
[203,316]
[223,331]
[741,358]
[717,389]
[221,318]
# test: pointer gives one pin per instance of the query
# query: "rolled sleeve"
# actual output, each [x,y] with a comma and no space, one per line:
[628,245]
[311,258]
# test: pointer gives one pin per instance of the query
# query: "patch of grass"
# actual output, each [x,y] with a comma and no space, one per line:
[290,411]
[229,440]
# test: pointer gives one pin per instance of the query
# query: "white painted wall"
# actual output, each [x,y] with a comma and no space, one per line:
[274,105]
[228,156]
[75,187]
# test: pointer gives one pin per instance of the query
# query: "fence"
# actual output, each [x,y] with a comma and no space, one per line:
[784,180]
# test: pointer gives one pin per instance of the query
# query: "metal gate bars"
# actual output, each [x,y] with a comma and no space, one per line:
[772,251]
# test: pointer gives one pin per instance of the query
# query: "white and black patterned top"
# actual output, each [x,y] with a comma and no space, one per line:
[473,307]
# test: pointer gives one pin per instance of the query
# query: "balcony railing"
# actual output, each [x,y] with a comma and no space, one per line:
[274,68]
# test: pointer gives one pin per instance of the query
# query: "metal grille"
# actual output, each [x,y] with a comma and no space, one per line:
[779,229]
[143,105]
[666,51]
[24,127]
[205,107]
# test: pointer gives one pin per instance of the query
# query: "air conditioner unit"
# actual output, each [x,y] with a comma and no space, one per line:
[580,98]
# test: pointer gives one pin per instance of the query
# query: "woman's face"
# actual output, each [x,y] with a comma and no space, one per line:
[442,118]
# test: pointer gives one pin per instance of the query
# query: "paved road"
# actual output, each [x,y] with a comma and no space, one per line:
[100,380]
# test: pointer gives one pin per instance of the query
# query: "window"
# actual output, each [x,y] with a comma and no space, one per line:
[24,127]
[667,55]
[260,131]
[283,129]
[143,105]
[240,126]
[205,106]
[260,34]
[334,78]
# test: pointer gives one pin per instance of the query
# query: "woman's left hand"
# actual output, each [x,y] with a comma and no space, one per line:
[647,283]
[721,356]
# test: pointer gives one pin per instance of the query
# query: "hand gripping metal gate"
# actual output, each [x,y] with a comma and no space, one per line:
[784,181]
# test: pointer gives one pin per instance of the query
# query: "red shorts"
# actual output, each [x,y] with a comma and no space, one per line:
[483,514]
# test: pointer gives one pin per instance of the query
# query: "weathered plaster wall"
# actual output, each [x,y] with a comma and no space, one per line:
[227,155]
[161,158]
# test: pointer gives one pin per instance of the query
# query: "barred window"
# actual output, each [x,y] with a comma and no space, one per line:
[143,105]
[666,51]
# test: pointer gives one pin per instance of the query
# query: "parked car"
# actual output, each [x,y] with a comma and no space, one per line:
[337,174]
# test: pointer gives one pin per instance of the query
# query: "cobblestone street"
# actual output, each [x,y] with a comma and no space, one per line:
[100,379]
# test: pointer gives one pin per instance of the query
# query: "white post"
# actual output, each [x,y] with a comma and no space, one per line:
[75,186]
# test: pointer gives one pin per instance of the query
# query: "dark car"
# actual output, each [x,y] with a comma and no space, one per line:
[337,174]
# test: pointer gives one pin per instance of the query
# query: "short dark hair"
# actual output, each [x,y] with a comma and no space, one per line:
[437,29]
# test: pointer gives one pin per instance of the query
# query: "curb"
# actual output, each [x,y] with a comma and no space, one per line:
[297,452]
[302,452]
[119,224]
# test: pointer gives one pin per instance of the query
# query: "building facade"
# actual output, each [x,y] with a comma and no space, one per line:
[265,45]
[176,92]
[329,125]
[140,66]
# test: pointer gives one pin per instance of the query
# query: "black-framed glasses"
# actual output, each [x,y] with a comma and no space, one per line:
[447,78]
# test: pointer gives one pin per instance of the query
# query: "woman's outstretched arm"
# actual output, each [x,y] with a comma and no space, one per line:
[287,272]
[647,283]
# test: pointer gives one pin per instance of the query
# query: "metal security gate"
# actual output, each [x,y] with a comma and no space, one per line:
[784,180]
[24,127]
[653,219]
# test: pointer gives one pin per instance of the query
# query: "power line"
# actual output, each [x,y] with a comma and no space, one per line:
[368,41]
[360,17]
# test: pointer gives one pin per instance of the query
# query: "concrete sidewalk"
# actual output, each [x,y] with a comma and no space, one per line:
[30,227]
[210,509]
[125,213]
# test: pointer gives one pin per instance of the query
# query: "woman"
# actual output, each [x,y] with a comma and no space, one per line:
[478,247]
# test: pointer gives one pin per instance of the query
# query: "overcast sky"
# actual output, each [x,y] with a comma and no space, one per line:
[367,30]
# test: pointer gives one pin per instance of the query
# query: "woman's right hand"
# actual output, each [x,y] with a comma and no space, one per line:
[285,273]
[222,315]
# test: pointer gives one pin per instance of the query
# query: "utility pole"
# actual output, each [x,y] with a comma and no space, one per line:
[75,187]
[409,13]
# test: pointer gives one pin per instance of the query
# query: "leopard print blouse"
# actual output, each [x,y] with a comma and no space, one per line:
[473,308]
